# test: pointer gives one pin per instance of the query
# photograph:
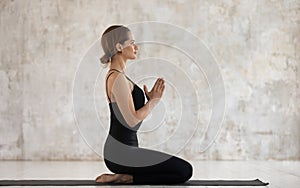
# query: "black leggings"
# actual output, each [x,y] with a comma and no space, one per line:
[171,169]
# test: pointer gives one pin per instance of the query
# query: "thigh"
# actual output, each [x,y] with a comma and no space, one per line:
[125,155]
[163,163]
[146,161]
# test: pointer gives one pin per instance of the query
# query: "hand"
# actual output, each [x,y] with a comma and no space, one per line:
[157,90]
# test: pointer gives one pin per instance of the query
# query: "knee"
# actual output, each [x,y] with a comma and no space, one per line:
[189,170]
[186,172]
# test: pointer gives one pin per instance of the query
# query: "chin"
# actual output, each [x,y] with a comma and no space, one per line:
[133,57]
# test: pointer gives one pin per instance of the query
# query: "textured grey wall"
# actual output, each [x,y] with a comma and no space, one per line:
[256,43]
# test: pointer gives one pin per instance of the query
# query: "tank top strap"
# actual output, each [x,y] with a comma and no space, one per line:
[111,74]
[107,79]
[115,70]
[130,80]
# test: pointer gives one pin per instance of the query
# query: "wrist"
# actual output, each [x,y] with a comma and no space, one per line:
[153,102]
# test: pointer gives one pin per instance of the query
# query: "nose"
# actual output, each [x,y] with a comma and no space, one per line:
[136,47]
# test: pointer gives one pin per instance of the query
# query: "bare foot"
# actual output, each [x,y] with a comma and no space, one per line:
[114,178]
[124,178]
[104,178]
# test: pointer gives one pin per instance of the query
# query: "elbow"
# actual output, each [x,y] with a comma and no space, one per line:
[133,124]
[133,121]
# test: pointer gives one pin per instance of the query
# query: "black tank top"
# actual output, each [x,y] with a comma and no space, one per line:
[122,131]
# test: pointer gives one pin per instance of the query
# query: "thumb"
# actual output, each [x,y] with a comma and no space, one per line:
[145,89]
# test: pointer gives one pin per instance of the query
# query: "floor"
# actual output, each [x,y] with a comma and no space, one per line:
[278,173]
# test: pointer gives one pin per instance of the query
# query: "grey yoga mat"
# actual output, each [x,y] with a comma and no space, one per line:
[28,182]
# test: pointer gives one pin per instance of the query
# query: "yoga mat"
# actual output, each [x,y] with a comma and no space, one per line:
[256,182]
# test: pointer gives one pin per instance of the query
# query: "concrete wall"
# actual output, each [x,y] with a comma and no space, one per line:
[256,44]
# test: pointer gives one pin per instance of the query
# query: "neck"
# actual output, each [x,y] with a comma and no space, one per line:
[118,62]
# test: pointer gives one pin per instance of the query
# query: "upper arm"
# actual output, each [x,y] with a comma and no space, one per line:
[121,94]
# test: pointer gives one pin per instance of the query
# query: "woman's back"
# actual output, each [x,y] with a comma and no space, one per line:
[119,129]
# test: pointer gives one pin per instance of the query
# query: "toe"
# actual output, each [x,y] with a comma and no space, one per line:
[100,178]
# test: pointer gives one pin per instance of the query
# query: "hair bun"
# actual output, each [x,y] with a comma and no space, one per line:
[105,59]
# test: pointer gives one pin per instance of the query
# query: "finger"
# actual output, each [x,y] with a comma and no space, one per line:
[162,82]
[155,86]
[145,89]
[157,83]
[161,91]
[157,80]
[160,85]
[164,86]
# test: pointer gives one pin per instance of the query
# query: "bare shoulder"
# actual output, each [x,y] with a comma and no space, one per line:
[112,76]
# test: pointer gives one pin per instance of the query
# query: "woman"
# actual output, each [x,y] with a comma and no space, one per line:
[122,155]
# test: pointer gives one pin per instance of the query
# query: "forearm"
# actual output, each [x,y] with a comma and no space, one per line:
[143,112]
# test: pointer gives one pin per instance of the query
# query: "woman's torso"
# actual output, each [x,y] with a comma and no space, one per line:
[118,129]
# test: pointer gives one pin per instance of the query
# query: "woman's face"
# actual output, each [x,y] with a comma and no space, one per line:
[130,49]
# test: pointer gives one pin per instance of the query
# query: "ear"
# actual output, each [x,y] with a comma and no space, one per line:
[119,47]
